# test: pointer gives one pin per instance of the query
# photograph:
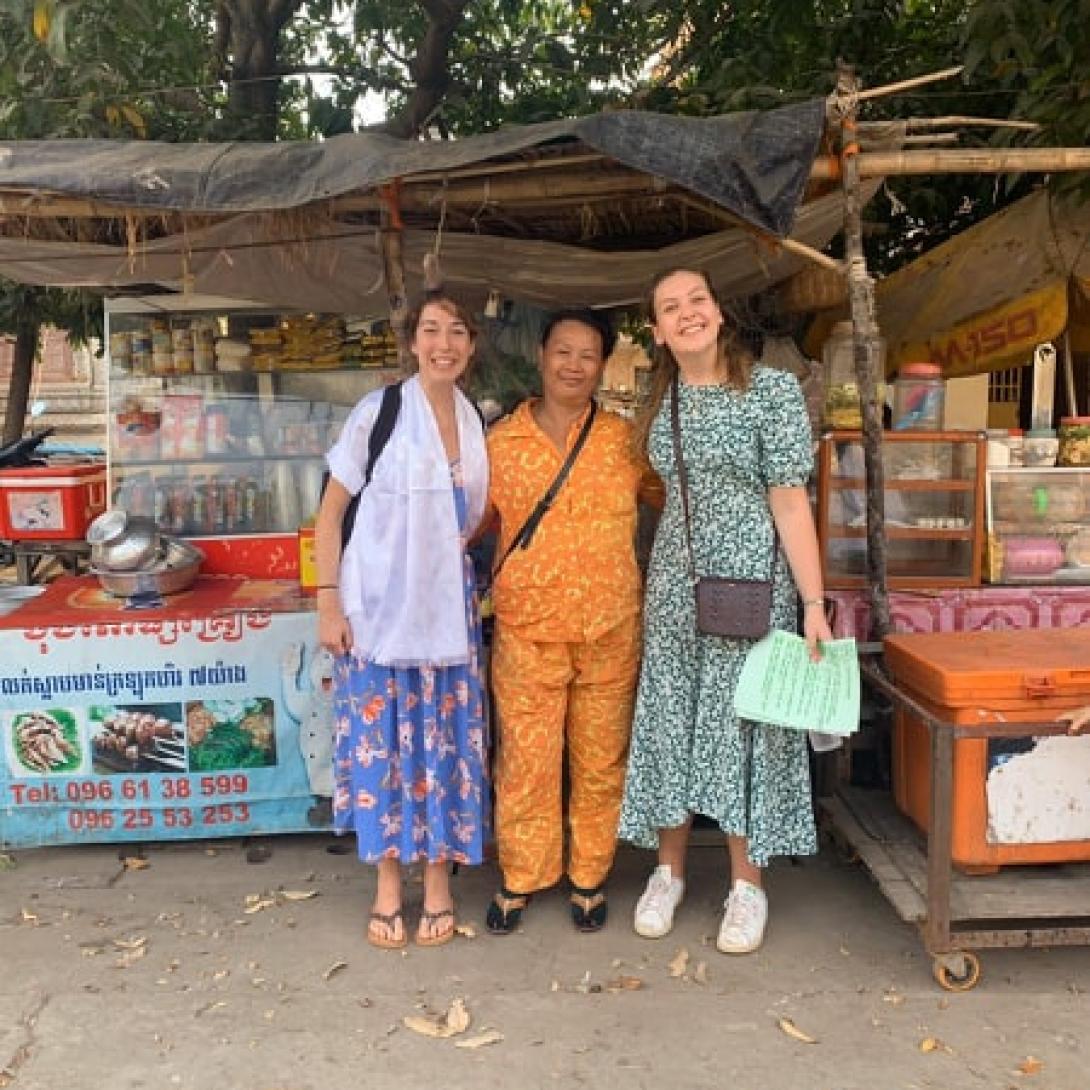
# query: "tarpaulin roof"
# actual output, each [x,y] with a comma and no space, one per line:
[755,164]
[984,299]
[336,267]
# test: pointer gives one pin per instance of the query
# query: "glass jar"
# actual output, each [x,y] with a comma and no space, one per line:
[1040,447]
[918,396]
[842,407]
[1074,441]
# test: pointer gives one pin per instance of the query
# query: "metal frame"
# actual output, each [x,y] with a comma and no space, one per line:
[955,967]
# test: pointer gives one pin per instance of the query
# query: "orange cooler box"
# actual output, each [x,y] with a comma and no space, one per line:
[51,503]
[1015,800]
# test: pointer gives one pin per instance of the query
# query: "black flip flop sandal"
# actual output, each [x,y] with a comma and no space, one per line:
[505,911]
[588,908]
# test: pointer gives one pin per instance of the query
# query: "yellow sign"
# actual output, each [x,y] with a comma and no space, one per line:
[1004,336]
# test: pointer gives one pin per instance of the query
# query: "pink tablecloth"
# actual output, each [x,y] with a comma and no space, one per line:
[966,609]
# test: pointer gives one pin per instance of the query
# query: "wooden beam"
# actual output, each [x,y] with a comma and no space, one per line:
[878,164]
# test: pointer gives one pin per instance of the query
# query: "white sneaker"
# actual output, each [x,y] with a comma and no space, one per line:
[743,926]
[655,908]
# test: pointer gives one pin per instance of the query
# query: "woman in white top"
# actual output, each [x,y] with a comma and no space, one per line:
[397,608]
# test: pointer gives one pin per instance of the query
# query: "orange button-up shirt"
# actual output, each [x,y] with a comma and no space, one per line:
[579,577]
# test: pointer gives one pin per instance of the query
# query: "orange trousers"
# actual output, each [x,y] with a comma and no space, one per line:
[548,695]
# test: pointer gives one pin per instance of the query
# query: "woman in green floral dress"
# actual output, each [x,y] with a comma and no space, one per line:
[747,448]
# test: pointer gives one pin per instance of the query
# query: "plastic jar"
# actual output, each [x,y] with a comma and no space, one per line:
[1074,441]
[1031,556]
[1040,447]
[918,396]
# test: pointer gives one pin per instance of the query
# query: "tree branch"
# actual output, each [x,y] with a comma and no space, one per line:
[429,68]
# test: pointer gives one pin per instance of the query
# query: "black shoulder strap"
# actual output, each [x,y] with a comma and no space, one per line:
[376,443]
[526,531]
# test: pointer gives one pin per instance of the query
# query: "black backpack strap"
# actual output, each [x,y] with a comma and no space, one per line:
[376,443]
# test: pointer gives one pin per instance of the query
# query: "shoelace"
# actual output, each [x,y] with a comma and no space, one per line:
[658,891]
[742,910]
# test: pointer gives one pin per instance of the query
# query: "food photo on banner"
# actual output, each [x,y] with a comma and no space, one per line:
[163,730]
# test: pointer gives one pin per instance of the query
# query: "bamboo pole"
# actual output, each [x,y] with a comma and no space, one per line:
[905,84]
[864,313]
[557,186]
[916,124]
[791,245]
[876,164]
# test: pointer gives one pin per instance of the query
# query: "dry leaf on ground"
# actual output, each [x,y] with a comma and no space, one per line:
[678,966]
[455,1021]
[297,894]
[625,984]
[335,968]
[131,944]
[700,973]
[1030,1066]
[933,1044]
[795,1033]
[134,862]
[256,902]
[489,1037]
[29,917]
[129,956]
[466,930]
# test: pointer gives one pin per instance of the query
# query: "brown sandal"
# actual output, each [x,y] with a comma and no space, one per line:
[386,939]
[428,920]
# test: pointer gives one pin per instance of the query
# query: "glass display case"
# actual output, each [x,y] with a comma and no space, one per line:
[220,414]
[1038,525]
[934,508]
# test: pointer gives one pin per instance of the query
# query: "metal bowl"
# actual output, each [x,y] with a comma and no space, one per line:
[160,580]
[122,542]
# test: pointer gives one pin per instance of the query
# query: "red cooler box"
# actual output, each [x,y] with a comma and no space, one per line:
[1015,800]
[51,503]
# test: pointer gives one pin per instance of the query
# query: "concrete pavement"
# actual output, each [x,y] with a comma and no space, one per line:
[141,979]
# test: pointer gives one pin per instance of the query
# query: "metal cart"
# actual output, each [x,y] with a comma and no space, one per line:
[956,913]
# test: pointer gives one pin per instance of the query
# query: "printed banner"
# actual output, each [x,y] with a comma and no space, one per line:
[164,729]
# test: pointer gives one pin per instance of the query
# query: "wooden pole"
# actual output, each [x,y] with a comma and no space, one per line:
[867,354]
[393,267]
[22,371]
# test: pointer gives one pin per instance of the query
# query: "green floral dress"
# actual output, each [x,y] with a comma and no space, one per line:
[690,753]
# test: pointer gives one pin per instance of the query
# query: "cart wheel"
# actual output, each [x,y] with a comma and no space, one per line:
[958,972]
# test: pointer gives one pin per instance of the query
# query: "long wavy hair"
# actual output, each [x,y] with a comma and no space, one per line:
[737,360]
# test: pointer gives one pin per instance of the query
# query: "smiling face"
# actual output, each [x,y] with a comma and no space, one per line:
[442,344]
[687,319]
[571,363]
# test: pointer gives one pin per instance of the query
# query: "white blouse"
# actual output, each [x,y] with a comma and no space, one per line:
[401,580]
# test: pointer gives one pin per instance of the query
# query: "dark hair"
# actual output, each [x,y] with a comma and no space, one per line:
[448,303]
[737,359]
[595,319]
[452,306]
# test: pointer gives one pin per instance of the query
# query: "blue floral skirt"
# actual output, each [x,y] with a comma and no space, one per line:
[411,758]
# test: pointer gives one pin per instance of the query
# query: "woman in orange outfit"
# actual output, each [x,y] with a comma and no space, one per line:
[567,642]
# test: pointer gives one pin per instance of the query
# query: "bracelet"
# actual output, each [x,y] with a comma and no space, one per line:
[814,602]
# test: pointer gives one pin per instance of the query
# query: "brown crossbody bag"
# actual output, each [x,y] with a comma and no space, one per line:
[736,608]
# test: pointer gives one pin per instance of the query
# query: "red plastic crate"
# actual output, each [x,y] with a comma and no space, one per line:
[51,503]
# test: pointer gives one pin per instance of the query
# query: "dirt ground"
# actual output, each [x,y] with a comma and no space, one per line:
[201,970]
